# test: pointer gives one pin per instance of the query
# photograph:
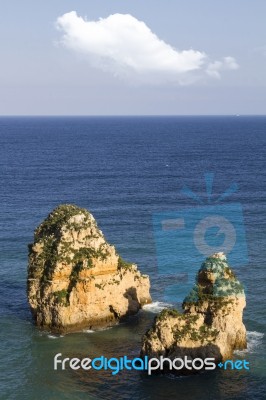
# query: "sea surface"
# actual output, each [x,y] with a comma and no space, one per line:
[123,170]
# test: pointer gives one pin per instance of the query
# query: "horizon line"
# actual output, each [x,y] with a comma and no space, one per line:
[123,115]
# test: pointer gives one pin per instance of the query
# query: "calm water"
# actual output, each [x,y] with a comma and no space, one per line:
[123,170]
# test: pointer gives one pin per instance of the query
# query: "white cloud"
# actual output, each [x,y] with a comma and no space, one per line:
[126,46]
[214,69]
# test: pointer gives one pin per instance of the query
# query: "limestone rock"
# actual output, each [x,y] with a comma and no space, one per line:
[76,279]
[211,323]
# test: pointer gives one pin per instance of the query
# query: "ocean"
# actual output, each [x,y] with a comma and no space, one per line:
[123,170]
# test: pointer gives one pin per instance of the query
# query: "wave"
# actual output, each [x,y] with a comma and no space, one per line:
[50,336]
[254,340]
[156,306]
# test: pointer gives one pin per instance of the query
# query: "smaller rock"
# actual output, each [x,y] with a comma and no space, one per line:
[211,324]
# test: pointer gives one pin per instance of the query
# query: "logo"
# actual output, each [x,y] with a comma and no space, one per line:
[116,365]
[184,238]
[234,364]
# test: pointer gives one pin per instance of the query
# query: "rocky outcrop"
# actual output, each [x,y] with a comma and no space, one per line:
[76,279]
[211,324]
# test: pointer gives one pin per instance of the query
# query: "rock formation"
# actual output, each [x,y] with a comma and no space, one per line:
[76,279]
[211,324]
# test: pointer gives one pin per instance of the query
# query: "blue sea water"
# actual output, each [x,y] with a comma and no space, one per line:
[123,170]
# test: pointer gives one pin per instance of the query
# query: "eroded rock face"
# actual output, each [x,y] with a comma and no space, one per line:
[211,324]
[76,279]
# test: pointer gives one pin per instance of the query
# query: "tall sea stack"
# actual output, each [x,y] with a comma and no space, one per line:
[76,279]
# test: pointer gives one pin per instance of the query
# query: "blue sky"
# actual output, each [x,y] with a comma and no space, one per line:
[145,57]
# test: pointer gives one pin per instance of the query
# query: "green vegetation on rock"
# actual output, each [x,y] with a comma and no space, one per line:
[122,264]
[61,297]
[54,249]
[57,218]
[168,312]
[224,285]
[204,333]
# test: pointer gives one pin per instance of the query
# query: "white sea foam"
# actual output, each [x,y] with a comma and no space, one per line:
[156,306]
[254,340]
[97,330]
[55,336]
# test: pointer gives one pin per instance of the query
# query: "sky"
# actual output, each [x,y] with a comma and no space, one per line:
[132,57]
